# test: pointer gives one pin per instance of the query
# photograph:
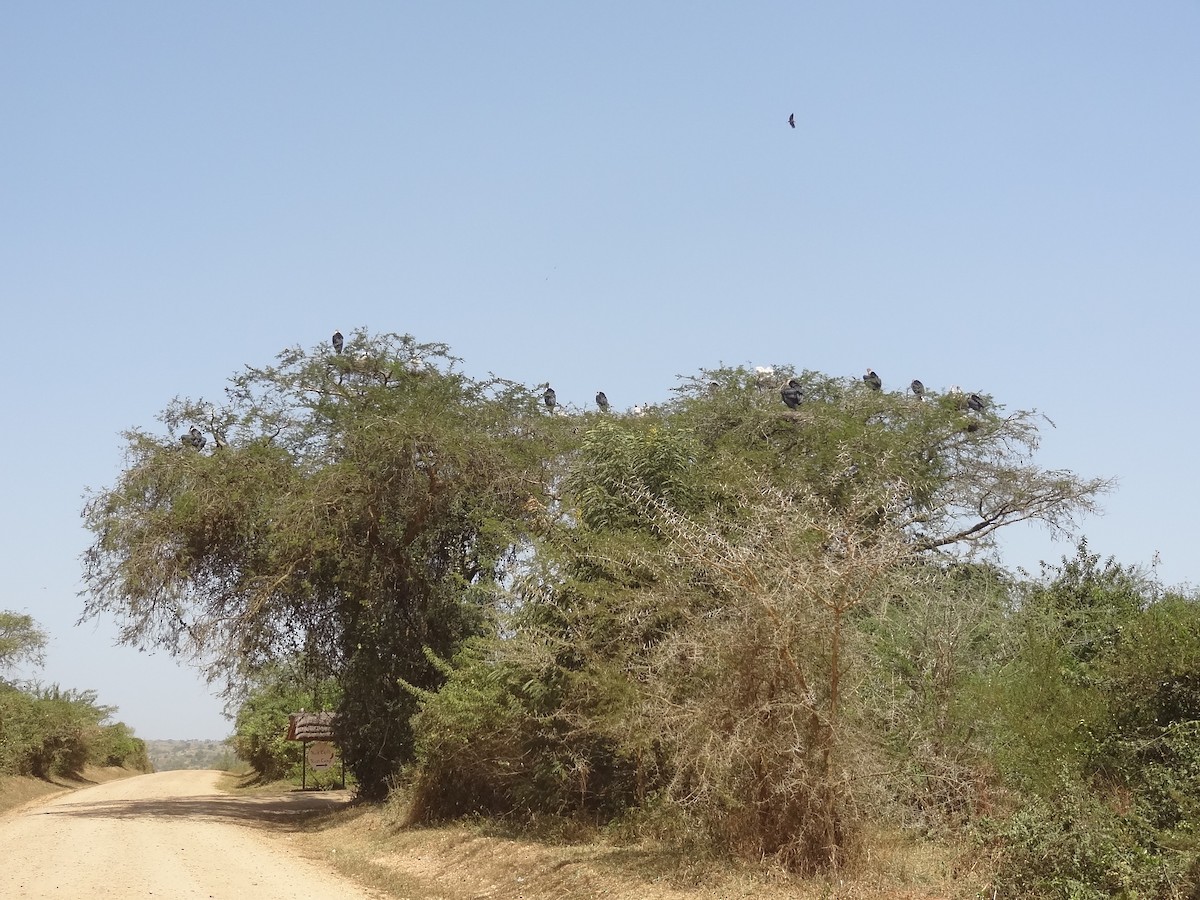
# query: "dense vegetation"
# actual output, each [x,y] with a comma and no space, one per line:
[47,731]
[260,730]
[734,622]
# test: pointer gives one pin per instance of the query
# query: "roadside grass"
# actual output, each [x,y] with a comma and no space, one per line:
[17,791]
[371,845]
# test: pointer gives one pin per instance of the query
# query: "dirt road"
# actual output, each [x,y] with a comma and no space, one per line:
[168,835]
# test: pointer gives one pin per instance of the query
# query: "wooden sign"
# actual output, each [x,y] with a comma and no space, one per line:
[320,755]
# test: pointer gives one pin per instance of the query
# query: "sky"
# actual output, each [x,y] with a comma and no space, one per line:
[602,195]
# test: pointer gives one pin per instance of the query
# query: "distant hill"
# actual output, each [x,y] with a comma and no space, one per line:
[168,755]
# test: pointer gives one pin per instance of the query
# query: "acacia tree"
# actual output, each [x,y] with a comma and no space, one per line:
[21,640]
[694,628]
[358,506]
[968,473]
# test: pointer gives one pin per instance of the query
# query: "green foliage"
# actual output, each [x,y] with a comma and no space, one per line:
[1098,733]
[728,612]
[1074,845]
[614,458]
[48,731]
[261,726]
[360,507]
[1051,694]
[116,745]
[51,731]
[21,640]
[1148,743]
[965,475]
[499,740]
[704,632]
[933,652]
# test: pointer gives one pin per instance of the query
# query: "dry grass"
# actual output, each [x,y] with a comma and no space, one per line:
[369,845]
[18,791]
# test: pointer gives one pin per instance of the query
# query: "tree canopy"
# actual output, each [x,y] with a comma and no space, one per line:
[21,640]
[377,509]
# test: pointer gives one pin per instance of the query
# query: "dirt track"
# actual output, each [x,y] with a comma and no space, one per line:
[168,835]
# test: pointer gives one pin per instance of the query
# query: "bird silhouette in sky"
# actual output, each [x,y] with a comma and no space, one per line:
[792,120]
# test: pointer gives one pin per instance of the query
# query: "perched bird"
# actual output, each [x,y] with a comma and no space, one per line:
[337,342]
[975,402]
[792,393]
[550,398]
[602,401]
[638,410]
[918,388]
[713,387]
[194,438]
[763,375]
[873,381]
[792,120]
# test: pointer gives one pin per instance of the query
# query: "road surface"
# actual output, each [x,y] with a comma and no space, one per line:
[170,835]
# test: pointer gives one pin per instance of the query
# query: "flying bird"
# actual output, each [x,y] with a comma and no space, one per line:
[550,398]
[918,388]
[602,401]
[792,394]
[792,120]
[873,381]
[337,342]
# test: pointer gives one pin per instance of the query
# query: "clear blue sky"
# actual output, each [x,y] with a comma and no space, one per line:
[1003,196]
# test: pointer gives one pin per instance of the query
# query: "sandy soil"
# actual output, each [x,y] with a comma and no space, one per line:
[168,835]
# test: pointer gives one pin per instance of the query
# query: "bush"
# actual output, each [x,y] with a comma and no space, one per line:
[48,731]
[260,729]
[1100,719]
[115,745]
[1081,846]
[501,739]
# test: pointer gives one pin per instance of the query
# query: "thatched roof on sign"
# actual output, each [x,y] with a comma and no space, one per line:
[311,726]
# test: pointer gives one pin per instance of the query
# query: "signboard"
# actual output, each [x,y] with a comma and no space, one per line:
[320,755]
